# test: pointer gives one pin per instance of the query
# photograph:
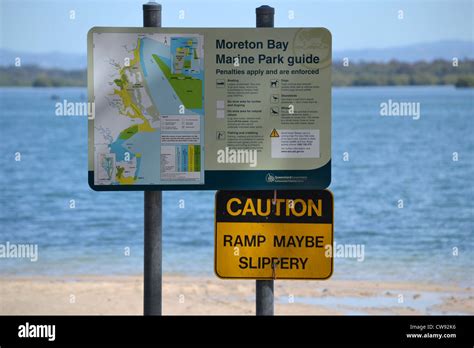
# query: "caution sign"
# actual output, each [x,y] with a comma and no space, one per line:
[274,235]
[274,133]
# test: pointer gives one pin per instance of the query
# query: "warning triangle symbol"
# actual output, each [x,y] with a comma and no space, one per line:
[274,134]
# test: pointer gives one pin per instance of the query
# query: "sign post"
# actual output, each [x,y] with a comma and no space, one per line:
[152,272]
[216,109]
[264,288]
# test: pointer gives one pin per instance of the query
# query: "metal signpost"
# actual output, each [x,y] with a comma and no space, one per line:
[264,296]
[153,256]
[218,109]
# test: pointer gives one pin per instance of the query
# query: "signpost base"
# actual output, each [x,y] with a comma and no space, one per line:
[153,253]
[264,297]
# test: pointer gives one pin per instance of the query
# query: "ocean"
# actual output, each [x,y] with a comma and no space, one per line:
[402,189]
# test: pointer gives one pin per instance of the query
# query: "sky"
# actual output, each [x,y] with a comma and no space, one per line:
[39,26]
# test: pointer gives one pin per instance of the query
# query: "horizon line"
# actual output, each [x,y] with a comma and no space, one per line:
[334,50]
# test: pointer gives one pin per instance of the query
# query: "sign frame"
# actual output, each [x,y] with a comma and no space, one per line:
[238,179]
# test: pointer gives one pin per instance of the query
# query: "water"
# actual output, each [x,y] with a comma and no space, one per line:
[361,305]
[390,158]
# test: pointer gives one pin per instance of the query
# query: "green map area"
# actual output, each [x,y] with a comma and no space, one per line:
[188,89]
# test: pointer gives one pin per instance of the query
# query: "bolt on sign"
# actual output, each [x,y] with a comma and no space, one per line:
[209,108]
[260,237]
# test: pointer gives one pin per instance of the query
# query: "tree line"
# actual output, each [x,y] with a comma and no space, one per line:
[393,73]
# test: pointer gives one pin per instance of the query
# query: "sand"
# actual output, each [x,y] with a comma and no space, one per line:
[195,295]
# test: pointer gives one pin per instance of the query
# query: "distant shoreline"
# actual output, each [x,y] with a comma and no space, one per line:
[393,73]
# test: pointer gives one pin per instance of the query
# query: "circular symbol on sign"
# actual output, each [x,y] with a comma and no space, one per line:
[314,41]
[270,178]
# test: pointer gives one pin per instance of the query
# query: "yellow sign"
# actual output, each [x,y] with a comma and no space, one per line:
[259,236]
[274,134]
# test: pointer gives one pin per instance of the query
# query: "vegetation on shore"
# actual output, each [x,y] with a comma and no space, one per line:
[33,76]
[393,73]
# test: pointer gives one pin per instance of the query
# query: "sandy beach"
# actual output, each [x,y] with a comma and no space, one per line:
[192,295]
